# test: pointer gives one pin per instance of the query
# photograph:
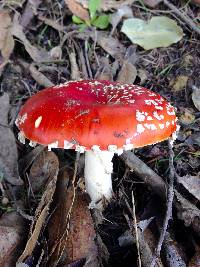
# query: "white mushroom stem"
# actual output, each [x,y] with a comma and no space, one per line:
[98,171]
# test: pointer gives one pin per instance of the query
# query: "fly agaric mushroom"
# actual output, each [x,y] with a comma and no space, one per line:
[99,118]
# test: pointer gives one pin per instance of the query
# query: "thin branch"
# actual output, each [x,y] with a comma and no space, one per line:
[170,198]
[184,17]
[136,232]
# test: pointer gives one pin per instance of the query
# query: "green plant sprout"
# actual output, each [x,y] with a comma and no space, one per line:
[100,21]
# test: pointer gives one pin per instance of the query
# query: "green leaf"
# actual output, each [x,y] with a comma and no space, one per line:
[101,22]
[160,31]
[82,27]
[77,20]
[93,7]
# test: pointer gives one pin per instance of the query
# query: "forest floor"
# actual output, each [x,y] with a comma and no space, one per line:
[44,214]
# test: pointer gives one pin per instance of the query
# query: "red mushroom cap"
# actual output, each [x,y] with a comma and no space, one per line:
[92,113]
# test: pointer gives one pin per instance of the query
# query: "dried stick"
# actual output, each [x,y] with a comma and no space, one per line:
[170,198]
[185,18]
[136,231]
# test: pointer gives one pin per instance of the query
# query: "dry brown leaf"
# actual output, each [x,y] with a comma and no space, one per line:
[71,230]
[38,55]
[111,45]
[11,229]
[187,117]
[77,9]
[188,212]
[42,170]
[10,239]
[6,39]
[8,149]
[105,72]
[28,159]
[41,212]
[196,97]
[80,243]
[58,228]
[127,73]
[192,184]
[142,74]
[179,83]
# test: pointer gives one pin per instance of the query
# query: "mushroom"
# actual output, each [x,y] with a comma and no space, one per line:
[99,118]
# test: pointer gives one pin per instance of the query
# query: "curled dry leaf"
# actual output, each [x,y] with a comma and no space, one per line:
[77,9]
[42,170]
[6,38]
[8,149]
[192,184]
[196,97]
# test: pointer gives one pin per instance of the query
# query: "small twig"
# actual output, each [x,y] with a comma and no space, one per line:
[75,73]
[170,198]
[185,18]
[87,60]
[136,232]
[29,12]
[40,78]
